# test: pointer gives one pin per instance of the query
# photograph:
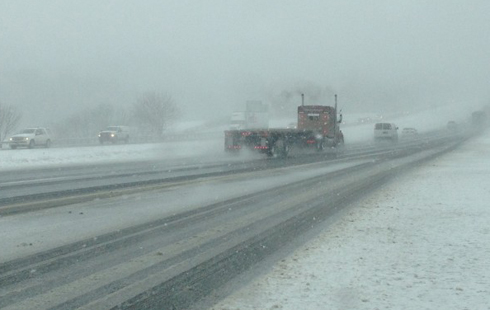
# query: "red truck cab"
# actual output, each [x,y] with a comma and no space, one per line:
[317,118]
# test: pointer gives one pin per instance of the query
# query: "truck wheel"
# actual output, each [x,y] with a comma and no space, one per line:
[286,150]
[273,151]
[31,144]
[279,149]
[320,147]
[48,144]
[13,147]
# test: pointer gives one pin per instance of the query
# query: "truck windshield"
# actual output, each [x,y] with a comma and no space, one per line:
[313,117]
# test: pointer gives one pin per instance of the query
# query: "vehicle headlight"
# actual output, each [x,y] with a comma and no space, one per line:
[27,139]
[112,135]
[99,135]
[11,139]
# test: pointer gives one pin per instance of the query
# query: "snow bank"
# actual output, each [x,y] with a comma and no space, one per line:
[420,242]
[34,158]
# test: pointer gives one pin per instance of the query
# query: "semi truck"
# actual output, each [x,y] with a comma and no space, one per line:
[256,115]
[317,129]
[249,120]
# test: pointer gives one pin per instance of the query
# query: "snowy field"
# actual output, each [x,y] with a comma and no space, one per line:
[67,156]
[420,242]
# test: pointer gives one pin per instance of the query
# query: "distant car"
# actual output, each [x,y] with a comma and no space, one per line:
[114,134]
[30,138]
[385,132]
[409,133]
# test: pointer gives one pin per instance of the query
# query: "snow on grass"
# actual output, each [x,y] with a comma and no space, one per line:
[421,242]
[41,157]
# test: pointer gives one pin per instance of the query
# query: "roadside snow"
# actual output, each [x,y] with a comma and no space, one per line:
[420,242]
[41,157]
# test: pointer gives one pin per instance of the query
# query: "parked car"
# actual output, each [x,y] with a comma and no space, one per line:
[114,134]
[385,132]
[30,138]
[409,133]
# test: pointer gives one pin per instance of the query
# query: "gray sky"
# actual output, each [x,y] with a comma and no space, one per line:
[58,56]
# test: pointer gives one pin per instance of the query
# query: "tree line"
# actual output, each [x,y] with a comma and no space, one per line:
[10,117]
[151,115]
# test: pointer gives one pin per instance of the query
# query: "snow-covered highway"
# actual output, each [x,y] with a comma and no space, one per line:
[192,236]
[419,242]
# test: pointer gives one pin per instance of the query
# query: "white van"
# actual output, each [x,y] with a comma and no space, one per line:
[386,132]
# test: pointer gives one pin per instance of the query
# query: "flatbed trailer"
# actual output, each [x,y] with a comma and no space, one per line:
[317,129]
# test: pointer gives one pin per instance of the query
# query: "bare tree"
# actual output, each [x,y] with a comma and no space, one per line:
[155,112]
[10,117]
[89,121]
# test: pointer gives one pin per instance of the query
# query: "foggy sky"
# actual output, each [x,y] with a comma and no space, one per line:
[211,56]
